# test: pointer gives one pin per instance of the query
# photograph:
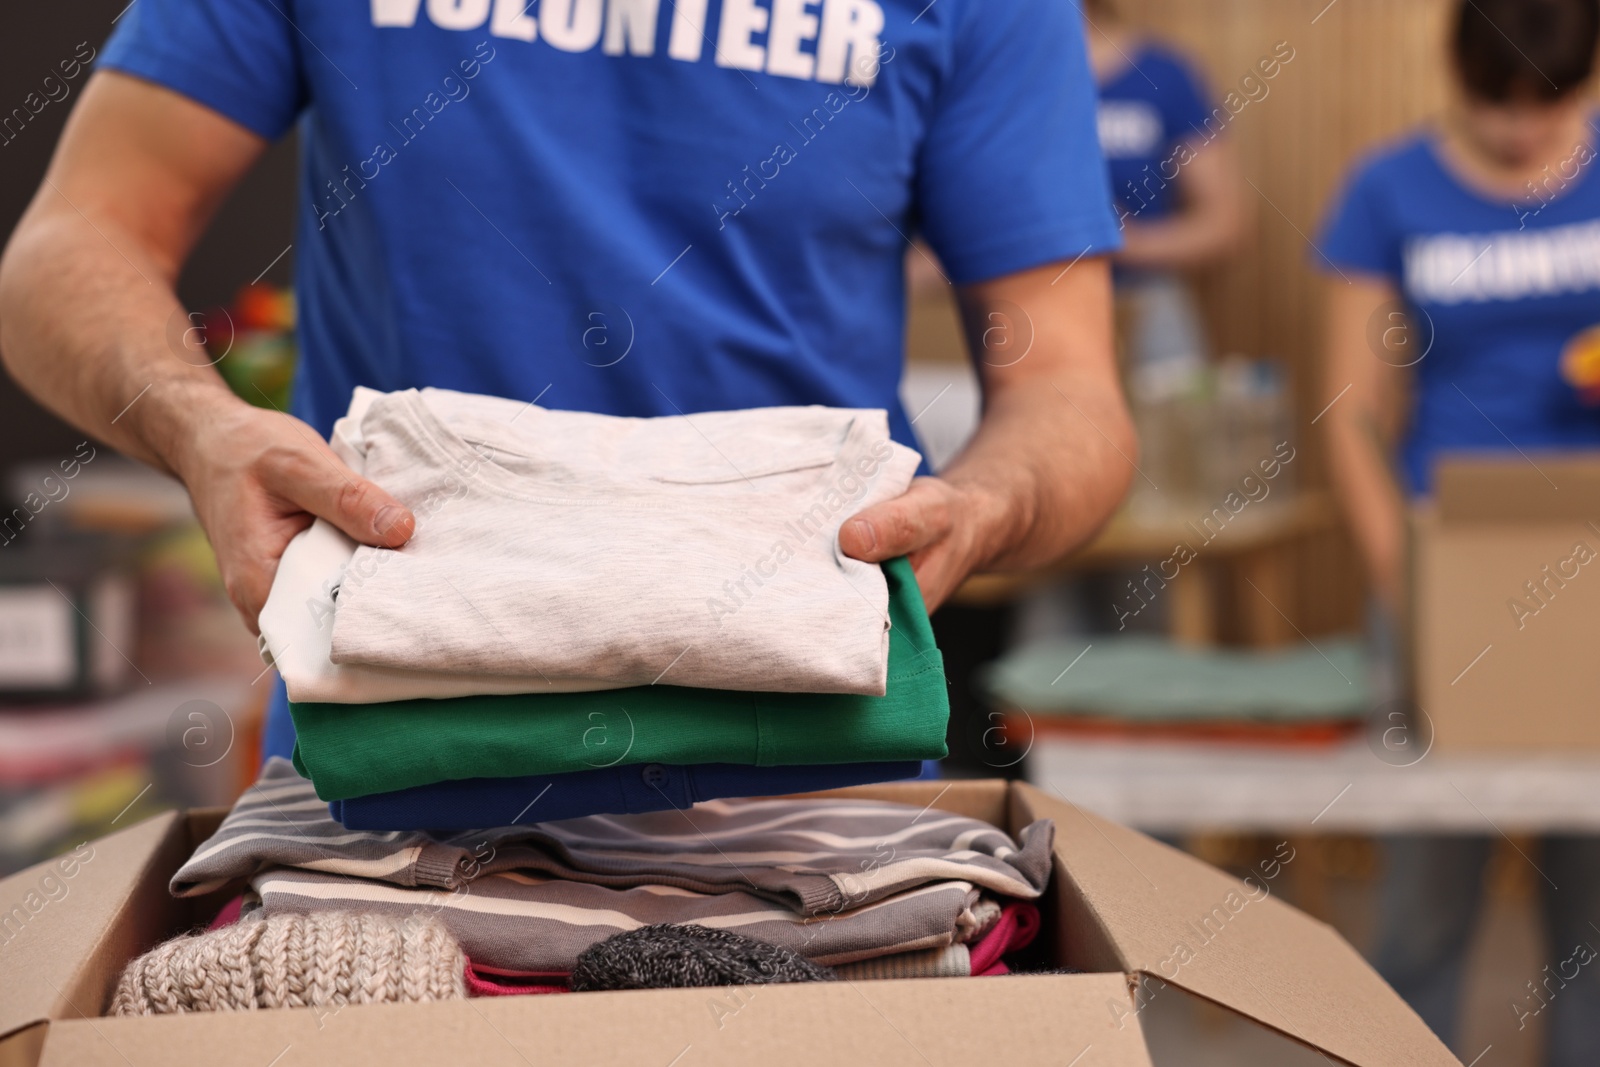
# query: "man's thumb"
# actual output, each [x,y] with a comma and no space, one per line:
[893,528]
[355,505]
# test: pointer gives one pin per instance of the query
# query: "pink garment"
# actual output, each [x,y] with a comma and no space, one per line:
[485,981]
[1016,928]
[228,915]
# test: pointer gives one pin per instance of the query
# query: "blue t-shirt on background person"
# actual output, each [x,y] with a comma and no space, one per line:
[1497,291]
[641,207]
[1147,109]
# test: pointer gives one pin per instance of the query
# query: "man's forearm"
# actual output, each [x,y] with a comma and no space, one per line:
[91,327]
[1050,462]
[90,324]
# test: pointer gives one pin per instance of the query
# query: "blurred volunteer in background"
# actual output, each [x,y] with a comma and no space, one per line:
[632,207]
[1463,306]
[1176,189]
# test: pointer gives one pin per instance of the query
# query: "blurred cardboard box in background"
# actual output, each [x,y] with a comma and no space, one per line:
[1505,609]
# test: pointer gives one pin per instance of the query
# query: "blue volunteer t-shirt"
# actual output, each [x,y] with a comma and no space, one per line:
[1149,108]
[643,207]
[1497,290]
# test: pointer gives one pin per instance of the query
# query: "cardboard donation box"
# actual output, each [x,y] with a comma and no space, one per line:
[1138,919]
[1506,603]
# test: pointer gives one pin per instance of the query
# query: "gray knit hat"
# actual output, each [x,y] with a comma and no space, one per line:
[322,959]
[672,956]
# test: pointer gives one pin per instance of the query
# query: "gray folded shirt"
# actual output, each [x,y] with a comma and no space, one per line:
[811,856]
[691,550]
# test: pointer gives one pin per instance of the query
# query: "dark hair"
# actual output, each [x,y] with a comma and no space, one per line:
[1505,49]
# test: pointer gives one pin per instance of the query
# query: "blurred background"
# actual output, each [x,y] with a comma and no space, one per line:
[129,683]
[1234,700]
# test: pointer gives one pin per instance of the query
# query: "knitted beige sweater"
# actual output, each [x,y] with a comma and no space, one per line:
[326,958]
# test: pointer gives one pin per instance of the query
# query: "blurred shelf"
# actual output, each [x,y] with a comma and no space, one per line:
[1167,787]
[70,772]
[109,493]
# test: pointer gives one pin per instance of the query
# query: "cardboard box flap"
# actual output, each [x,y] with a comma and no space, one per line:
[1043,1021]
[1155,910]
[1545,487]
[58,915]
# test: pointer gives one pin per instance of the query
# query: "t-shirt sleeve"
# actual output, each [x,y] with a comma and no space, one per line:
[1011,175]
[238,57]
[1359,233]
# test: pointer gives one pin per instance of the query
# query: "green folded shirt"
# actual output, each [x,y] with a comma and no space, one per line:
[352,750]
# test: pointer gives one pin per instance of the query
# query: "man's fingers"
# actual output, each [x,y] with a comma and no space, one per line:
[248,591]
[913,520]
[248,570]
[326,487]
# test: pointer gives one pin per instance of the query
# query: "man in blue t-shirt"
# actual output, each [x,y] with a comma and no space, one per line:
[1463,289]
[627,206]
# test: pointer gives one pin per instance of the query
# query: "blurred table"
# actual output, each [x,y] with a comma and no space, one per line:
[1254,544]
[1181,787]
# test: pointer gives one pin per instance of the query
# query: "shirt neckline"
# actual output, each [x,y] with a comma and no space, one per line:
[1433,148]
[434,435]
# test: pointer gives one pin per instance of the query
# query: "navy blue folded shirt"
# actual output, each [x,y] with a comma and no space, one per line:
[471,803]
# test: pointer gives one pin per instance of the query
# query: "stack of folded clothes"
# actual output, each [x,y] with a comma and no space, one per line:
[730,891]
[602,615]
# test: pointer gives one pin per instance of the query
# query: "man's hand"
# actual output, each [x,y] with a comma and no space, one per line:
[258,478]
[937,524]
[1053,453]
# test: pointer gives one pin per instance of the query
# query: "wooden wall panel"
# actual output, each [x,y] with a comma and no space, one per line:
[1363,71]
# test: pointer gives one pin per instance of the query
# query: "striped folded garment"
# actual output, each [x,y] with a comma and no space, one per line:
[816,857]
[528,923]
[834,880]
